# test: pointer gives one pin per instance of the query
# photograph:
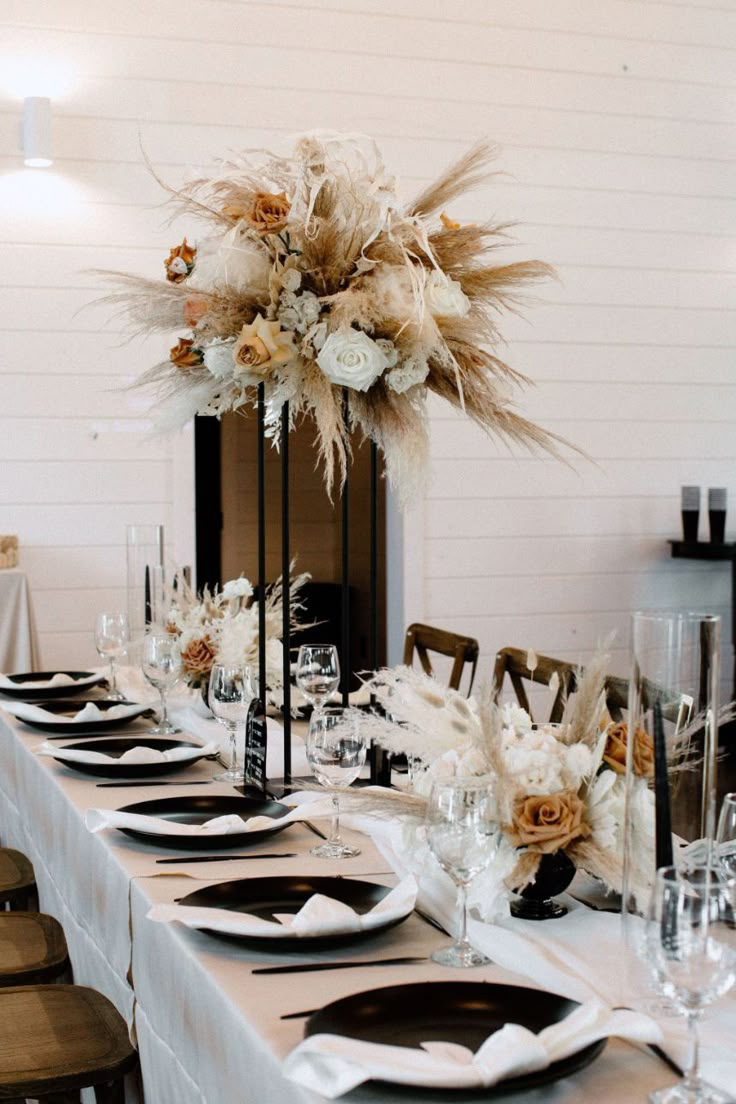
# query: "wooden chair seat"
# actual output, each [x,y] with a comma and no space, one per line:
[58,1039]
[514,662]
[17,879]
[32,948]
[463,650]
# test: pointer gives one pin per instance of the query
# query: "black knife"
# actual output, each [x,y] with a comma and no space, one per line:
[308,967]
[225,858]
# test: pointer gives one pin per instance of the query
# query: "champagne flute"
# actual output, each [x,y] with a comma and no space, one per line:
[317,672]
[726,836]
[112,637]
[230,694]
[461,833]
[161,666]
[336,751]
[693,961]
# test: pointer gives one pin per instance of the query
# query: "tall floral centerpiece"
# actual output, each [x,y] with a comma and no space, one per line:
[311,277]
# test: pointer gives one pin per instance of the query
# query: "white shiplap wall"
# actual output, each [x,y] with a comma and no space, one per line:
[616,123]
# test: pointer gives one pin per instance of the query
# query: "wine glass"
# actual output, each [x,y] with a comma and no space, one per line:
[461,833]
[693,960]
[161,666]
[230,694]
[112,637]
[336,751]
[317,672]
[726,836]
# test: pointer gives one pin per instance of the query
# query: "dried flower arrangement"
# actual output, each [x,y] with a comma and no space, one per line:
[221,626]
[557,788]
[316,279]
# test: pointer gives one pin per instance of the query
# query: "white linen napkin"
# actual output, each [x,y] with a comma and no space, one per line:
[98,819]
[59,679]
[334,1064]
[90,712]
[134,756]
[320,915]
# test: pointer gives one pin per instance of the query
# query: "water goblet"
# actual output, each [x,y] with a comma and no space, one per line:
[693,961]
[336,751]
[230,694]
[317,672]
[461,833]
[161,666]
[726,836]
[112,637]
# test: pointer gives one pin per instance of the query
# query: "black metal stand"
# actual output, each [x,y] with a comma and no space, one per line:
[345,656]
[261,546]
[286,589]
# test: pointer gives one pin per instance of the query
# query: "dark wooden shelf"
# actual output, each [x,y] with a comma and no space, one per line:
[702,550]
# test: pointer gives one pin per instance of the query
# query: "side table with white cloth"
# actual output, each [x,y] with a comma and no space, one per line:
[18,641]
[208,1029]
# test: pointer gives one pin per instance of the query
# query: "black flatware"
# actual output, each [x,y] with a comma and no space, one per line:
[299,1015]
[142,782]
[226,858]
[309,967]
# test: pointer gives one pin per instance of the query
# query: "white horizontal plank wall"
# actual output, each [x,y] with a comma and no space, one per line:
[615,123]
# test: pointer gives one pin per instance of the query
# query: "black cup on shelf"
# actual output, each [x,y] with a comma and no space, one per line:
[690,503]
[717,514]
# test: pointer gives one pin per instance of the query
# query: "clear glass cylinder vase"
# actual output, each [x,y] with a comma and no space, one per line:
[145,577]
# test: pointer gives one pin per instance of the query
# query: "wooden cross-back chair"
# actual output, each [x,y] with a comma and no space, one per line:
[514,662]
[679,709]
[424,639]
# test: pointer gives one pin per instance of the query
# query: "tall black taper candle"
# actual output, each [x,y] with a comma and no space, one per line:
[663,824]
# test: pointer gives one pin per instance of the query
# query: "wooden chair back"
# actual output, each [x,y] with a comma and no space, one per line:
[424,639]
[679,709]
[514,662]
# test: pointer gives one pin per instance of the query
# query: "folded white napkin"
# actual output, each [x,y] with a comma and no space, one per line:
[97,819]
[334,1064]
[320,915]
[59,679]
[90,713]
[134,756]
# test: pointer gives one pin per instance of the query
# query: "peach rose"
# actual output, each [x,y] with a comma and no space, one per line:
[185,354]
[615,750]
[198,656]
[268,213]
[180,262]
[547,822]
[261,346]
[195,309]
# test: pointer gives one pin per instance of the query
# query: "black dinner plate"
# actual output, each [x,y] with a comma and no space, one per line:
[198,810]
[70,727]
[82,680]
[117,747]
[464,1012]
[262,897]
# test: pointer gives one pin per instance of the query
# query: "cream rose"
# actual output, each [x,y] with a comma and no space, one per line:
[548,822]
[261,346]
[445,296]
[350,358]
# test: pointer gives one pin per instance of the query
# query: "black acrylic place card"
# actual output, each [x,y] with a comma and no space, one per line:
[256,742]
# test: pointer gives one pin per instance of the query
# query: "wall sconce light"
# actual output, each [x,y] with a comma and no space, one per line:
[36,132]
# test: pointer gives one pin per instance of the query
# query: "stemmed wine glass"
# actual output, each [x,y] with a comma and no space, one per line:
[336,751]
[161,666]
[726,837]
[461,832]
[112,637]
[230,694]
[693,960]
[317,672]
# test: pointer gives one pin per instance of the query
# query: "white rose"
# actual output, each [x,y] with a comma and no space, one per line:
[389,349]
[218,359]
[513,716]
[445,296]
[237,588]
[408,374]
[350,358]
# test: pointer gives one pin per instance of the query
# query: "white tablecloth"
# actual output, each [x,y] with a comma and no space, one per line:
[18,643]
[209,1032]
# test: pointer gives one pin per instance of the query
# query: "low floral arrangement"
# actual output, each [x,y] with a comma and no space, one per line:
[557,788]
[221,626]
[312,278]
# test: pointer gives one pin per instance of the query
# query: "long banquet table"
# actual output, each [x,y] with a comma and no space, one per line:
[209,1031]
